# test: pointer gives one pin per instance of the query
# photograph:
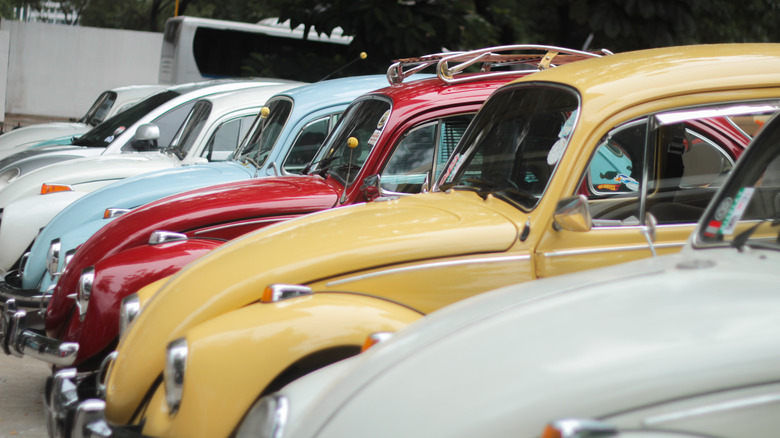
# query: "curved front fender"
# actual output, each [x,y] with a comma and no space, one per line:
[22,220]
[120,275]
[237,355]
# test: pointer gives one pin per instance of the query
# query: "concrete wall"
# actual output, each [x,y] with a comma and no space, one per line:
[58,71]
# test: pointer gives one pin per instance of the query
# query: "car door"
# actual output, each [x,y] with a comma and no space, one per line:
[667,165]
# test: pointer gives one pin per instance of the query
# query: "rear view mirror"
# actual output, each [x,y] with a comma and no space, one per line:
[573,214]
[146,136]
[371,187]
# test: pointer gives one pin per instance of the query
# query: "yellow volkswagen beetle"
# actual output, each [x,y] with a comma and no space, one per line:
[567,169]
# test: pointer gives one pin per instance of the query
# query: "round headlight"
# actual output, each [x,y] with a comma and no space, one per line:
[173,375]
[128,311]
[85,290]
[267,418]
[53,257]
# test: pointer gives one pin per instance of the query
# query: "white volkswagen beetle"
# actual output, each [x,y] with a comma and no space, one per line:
[212,129]
[108,104]
[127,132]
[683,344]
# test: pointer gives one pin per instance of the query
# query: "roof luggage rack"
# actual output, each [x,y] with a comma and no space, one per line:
[489,58]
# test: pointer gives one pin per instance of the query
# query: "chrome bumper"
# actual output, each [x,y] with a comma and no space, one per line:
[16,339]
[69,417]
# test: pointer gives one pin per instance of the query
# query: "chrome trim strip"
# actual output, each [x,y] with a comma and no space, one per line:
[258,221]
[713,408]
[573,252]
[432,265]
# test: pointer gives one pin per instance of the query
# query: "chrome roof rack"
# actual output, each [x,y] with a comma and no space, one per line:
[541,56]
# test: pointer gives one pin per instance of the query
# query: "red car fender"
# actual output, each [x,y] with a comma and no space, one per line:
[119,276]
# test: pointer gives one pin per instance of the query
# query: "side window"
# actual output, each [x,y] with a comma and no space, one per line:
[170,122]
[422,152]
[688,161]
[704,163]
[226,138]
[306,145]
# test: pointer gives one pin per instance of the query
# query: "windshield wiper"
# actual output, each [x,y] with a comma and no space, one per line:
[740,240]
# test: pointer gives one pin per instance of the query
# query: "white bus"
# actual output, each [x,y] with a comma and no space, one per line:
[196,49]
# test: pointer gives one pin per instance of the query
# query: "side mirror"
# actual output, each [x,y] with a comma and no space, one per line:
[573,214]
[146,136]
[371,187]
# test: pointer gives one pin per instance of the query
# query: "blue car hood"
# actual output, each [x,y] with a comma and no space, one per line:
[127,193]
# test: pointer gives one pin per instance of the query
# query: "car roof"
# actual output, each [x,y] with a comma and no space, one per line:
[635,77]
[314,96]
[245,98]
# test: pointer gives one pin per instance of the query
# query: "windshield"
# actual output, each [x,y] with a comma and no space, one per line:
[514,144]
[746,211]
[103,134]
[188,133]
[97,113]
[348,147]
[265,131]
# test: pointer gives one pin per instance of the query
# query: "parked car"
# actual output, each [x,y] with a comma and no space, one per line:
[683,343]
[210,132]
[525,195]
[107,104]
[406,130]
[126,133]
[283,141]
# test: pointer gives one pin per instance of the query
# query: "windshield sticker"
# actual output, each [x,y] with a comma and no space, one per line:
[109,139]
[736,211]
[556,152]
[610,187]
[630,183]
[383,120]
[374,137]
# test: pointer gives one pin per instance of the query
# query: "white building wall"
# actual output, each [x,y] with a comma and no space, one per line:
[5,39]
[58,71]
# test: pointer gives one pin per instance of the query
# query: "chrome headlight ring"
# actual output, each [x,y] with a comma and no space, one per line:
[86,281]
[267,418]
[173,375]
[53,257]
[128,311]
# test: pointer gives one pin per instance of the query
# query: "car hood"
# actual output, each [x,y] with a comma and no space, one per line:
[650,331]
[219,204]
[100,169]
[37,133]
[334,242]
[28,158]
[127,193]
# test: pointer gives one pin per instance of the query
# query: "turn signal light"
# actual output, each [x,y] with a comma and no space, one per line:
[279,292]
[375,338]
[54,188]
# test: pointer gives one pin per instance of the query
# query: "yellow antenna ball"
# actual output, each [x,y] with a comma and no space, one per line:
[363,55]
[352,142]
[264,112]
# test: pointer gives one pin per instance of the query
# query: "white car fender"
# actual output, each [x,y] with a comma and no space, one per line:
[24,218]
[97,171]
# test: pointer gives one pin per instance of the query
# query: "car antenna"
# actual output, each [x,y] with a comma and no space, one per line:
[352,143]
[363,55]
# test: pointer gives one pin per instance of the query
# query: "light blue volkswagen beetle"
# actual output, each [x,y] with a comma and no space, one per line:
[282,140]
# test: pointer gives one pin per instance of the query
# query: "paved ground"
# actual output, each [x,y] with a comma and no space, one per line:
[21,397]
